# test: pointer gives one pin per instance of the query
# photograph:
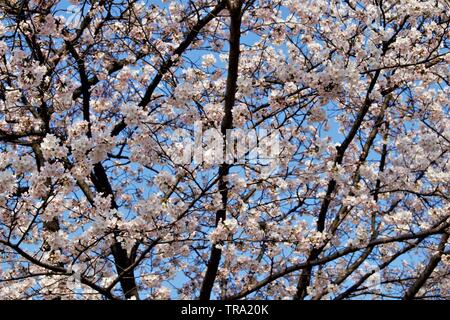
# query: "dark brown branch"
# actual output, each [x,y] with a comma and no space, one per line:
[305,277]
[438,228]
[425,275]
[227,123]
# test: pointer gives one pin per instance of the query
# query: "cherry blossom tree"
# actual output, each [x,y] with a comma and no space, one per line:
[95,205]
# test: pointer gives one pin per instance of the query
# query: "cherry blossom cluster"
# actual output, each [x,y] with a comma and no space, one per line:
[95,204]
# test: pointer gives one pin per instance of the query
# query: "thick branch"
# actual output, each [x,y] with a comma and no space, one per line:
[227,123]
